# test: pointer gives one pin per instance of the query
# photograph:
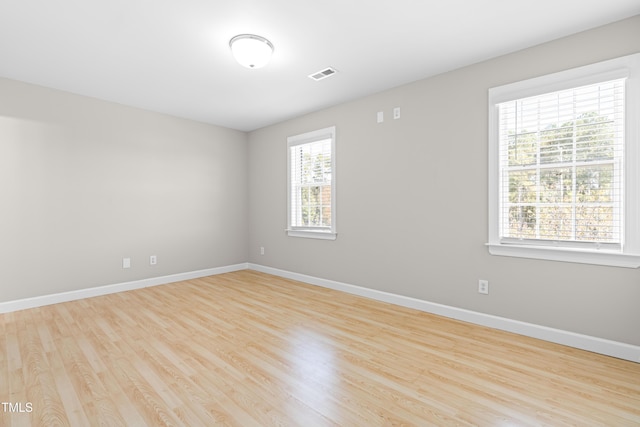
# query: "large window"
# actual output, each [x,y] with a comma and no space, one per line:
[564,157]
[311,184]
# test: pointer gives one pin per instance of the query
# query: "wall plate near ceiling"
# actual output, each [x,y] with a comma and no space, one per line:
[323,74]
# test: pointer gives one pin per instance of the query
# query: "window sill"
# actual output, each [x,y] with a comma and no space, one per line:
[595,257]
[323,235]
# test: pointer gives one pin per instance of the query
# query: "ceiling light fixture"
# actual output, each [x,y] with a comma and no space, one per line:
[251,51]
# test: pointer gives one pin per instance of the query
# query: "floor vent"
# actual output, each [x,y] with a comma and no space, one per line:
[323,74]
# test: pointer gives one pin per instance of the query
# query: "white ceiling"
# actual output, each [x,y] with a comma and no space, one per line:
[172,56]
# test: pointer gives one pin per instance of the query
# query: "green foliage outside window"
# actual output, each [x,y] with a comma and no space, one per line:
[315,191]
[561,181]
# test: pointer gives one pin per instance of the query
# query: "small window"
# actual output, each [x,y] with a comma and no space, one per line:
[563,160]
[311,184]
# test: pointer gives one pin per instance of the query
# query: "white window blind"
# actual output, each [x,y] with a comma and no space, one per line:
[561,160]
[564,150]
[312,184]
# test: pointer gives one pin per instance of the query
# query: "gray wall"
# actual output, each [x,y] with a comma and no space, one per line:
[412,199]
[84,183]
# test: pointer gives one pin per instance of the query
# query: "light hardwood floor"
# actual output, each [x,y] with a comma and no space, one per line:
[250,349]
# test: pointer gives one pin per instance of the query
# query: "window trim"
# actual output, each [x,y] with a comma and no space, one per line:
[629,255]
[329,233]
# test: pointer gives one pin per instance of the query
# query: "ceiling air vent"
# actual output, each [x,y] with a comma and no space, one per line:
[323,74]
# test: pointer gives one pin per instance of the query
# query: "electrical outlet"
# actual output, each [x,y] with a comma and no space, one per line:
[126,262]
[483,287]
[396,113]
[261,250]
[153,260]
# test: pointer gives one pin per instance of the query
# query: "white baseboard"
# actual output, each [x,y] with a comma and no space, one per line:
[558,336]
[571,339]
[7,307]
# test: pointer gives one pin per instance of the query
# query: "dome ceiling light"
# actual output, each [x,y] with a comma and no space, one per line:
[251,51]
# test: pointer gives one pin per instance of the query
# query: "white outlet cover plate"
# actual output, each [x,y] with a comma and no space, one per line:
[483,287]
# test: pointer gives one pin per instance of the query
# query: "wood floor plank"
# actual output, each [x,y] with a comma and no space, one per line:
[251,349]
[4,370]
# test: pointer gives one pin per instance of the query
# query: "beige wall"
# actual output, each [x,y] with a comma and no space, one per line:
[84,183]
[412,200]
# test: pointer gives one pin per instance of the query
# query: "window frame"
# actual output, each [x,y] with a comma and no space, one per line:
[328,233]
[629,255]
